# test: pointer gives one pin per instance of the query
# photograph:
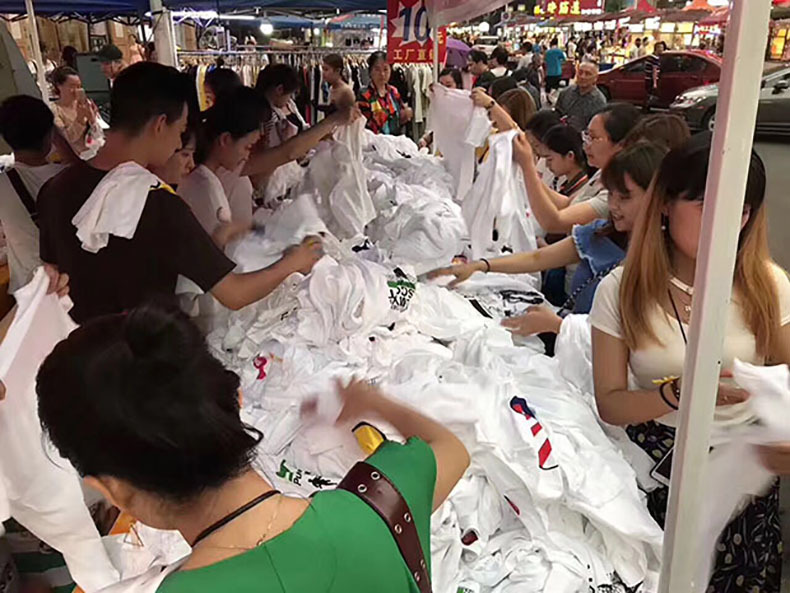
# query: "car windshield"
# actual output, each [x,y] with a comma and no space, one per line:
[774,77]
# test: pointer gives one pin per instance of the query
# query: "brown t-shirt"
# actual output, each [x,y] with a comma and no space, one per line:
[168,241]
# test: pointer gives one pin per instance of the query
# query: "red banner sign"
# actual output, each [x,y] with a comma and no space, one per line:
[409,33]
[568,7]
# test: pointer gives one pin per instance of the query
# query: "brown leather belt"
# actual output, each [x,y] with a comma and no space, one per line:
[375,489]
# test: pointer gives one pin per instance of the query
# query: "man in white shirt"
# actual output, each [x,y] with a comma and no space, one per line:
[28,126]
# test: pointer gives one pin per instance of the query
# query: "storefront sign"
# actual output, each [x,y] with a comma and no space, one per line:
[409,33]
[568,7]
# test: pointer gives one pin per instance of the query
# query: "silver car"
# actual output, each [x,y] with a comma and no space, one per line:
[698,105]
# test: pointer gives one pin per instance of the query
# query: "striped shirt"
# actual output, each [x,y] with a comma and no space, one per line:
[652,63]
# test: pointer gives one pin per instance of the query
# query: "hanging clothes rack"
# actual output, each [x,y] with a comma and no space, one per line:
[307,62]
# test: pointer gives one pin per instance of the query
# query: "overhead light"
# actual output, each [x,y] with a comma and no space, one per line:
[484,27]
[237,17]
[267,28]
[316,31]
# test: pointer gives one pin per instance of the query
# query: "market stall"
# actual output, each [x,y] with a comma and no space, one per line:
[409,335]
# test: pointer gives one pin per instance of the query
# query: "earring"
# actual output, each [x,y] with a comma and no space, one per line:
[664,222]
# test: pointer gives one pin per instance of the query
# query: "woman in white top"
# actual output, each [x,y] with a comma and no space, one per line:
[640,321]
[227,133]
[602,140]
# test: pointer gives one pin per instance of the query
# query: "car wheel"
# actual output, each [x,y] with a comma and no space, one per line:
[606,92]
[709,121]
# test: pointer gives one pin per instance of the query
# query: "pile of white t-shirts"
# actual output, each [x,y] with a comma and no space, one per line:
[496,209]
[550,503]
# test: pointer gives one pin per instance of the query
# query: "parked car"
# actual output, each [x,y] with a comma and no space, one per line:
[698,106]
[680,71]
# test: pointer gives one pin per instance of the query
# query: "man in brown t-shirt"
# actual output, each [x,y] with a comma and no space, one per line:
[149,113]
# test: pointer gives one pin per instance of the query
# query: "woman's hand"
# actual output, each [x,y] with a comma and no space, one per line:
[462,272]
[522,150]
[481,99]
[84,112]
[729,393]
[537,320]
[360,399]
[776,458]
[406,115]
[301,258]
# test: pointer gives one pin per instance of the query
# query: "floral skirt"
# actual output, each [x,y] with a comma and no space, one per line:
[749,558]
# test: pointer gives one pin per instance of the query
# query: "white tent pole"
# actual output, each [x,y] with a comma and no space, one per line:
[435,42]
[164,34]
[41,73]
[726,184]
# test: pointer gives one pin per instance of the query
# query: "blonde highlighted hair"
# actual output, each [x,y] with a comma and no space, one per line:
[648,268]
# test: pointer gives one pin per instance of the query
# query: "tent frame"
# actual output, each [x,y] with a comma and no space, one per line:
[723,210]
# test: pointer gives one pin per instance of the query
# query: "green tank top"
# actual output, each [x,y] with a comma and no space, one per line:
[338,545]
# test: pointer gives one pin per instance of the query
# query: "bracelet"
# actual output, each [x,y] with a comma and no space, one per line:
[664,397]
[487,263]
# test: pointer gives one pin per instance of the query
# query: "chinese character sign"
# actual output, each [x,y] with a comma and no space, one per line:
[409,33]
[568,7]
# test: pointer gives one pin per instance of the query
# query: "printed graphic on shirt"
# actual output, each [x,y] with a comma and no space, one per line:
[302,477]
[401,289]
[545,460]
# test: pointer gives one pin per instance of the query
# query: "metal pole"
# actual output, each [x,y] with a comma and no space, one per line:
[164,34]
[726,184]
[435,42]
[41,73]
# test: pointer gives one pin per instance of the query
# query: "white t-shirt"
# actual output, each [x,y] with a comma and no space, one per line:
[21,234]
[594,194]
[238,190]
[655,361]
[204,193]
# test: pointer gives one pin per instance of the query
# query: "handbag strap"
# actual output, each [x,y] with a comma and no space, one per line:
[376,490]
[23,193]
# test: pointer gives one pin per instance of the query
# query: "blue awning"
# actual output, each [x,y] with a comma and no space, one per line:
[84,7]
[113,7]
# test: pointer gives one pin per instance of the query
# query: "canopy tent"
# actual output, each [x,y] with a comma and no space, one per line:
[83,7]
[118,7]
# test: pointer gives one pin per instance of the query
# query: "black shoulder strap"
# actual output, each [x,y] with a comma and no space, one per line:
[24,195]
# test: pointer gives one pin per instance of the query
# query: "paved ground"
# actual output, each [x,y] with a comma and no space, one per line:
[776,154]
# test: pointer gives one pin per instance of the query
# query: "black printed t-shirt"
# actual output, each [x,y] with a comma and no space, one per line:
[168,241]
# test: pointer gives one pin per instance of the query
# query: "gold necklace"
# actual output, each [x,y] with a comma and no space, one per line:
[263,537]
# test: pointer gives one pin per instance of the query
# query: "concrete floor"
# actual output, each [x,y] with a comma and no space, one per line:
[776,154]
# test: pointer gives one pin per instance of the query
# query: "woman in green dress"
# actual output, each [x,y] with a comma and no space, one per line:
[143,411]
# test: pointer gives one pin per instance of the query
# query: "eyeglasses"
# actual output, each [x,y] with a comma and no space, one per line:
[588,138]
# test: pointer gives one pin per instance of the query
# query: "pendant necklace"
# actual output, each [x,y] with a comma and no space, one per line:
[685,289]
